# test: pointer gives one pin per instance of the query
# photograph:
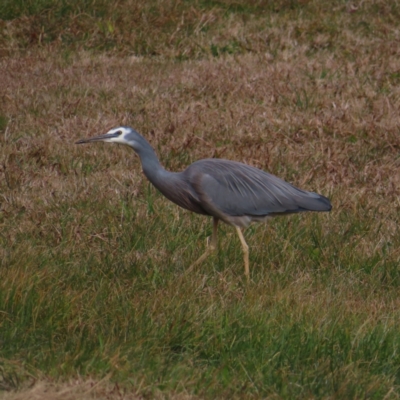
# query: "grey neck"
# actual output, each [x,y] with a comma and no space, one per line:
[173,185]
[151,166]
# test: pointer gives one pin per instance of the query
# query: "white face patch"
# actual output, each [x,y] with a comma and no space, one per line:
[121,135]
[117,139]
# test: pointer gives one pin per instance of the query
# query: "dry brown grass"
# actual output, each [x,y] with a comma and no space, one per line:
[344,143]
[312,100]
[83,390]
[77,390]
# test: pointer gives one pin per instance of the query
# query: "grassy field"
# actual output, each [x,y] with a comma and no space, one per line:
[94,299]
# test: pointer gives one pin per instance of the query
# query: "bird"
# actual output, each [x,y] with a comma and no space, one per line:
[229,191]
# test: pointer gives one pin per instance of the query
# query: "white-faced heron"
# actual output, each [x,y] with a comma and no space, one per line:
[235,193]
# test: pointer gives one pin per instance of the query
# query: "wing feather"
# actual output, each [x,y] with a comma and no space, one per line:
[237,189]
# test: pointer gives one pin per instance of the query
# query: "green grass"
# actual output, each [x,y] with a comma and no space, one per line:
[114,307]
[174,30]
[93,258]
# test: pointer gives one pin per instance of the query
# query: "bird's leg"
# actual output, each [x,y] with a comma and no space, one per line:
[210,248]
[245,252]
[214,239]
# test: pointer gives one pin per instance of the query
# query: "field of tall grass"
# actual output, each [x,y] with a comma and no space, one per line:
[94,298]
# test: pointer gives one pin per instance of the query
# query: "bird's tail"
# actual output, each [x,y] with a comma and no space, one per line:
[311,201]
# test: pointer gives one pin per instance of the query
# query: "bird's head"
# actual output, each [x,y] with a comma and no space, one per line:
[122,135]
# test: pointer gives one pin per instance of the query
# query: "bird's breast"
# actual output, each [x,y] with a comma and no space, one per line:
[176,188]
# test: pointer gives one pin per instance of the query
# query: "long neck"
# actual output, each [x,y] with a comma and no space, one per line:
[151,166]
[173,185]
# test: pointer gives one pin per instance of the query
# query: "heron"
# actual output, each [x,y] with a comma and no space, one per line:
[229,191]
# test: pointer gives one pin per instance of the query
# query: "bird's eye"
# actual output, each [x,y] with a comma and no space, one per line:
[119,133]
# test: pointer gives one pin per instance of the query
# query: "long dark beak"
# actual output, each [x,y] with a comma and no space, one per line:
[98,138]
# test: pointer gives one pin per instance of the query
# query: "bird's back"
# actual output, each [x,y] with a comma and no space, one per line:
[227,188]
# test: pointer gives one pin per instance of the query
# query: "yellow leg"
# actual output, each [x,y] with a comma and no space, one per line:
[245,252]
[212,247]
[214,239]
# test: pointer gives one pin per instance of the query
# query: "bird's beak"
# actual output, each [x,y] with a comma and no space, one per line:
[101,138]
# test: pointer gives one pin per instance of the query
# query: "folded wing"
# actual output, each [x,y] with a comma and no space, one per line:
[237,189]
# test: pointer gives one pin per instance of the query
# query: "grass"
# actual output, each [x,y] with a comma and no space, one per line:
[94,302]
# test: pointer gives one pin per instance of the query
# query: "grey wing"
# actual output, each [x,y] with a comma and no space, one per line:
[236,189]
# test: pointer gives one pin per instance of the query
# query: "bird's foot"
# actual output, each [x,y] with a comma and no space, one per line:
[210,249]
